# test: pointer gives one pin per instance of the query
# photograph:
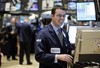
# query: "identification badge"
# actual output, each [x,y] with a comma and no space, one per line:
[55,50]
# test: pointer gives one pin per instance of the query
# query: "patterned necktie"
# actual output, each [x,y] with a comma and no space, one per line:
[60,36]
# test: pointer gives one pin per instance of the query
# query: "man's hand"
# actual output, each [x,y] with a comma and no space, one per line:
[12,32]
[65,57]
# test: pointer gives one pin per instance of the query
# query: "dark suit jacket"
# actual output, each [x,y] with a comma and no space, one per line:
[11,37]
[25,31]
[47,39]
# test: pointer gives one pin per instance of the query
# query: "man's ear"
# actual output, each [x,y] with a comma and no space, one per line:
[52,15]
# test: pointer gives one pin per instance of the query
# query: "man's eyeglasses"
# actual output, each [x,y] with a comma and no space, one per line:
[59,15]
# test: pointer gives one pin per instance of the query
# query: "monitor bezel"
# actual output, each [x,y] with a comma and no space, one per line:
[94,9]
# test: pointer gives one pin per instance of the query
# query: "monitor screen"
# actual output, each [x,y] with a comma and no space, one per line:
[33,1]
[7,6]
[58,3]
[34,7]
[57,0]
[71,5]
[86,11]
[73,32]
[47,4]
[18,6]
[22,19]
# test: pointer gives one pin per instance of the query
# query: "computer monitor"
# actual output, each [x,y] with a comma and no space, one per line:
[73,31]
[57,0]
[71,5]
[58,3]
[47,4]
[33,1]
[72,34]
[86,11]
[34,7]
[18,6]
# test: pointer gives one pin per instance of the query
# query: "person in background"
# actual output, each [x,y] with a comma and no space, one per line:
[2,42]
[25,31]
[12,39]
[52,47]
[71,22]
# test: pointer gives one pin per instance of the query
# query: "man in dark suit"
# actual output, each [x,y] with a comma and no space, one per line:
[50,50]
[25,31]
[12,39]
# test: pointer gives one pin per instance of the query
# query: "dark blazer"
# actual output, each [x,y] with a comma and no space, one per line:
[47,39]
[25,31]
[11,37]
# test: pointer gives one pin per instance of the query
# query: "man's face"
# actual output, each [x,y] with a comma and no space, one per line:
[13,20]
[59,17]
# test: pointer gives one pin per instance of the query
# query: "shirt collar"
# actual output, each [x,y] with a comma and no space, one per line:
[55,28]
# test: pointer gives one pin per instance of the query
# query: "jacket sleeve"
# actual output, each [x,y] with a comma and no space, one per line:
[42,53]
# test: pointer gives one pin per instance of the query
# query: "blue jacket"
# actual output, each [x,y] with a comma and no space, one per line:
[47,39]
[25,31]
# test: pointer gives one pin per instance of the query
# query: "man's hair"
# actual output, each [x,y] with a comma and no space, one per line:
[69,17]
[56,7]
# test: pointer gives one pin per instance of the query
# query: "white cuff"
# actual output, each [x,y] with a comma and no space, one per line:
[56,60]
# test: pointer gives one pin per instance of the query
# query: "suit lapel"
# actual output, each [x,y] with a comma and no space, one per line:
[53,34]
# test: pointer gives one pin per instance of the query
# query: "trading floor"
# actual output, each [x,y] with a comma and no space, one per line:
[15,63]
